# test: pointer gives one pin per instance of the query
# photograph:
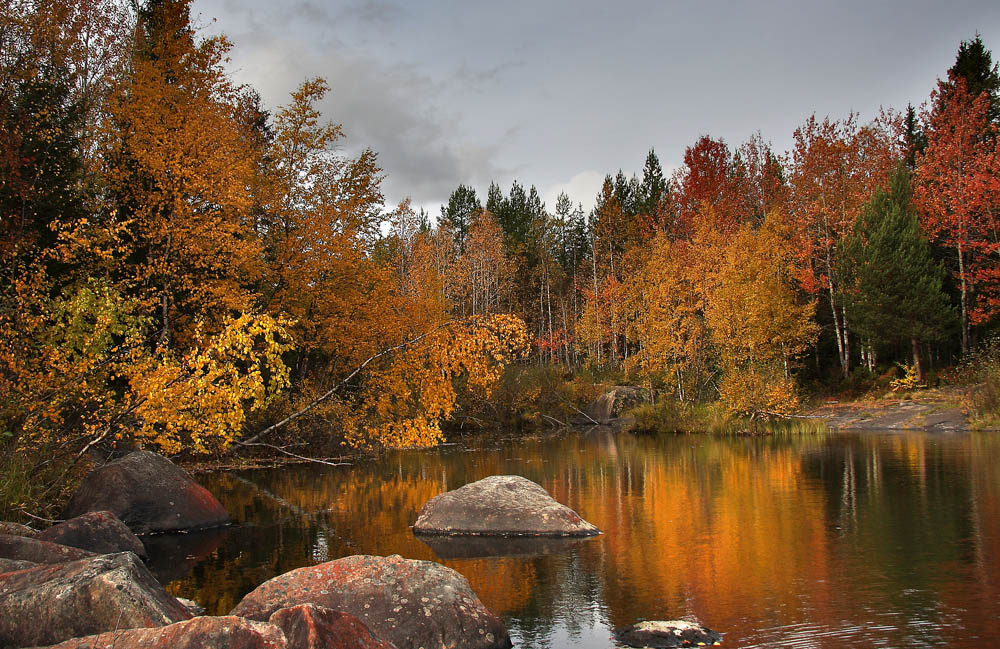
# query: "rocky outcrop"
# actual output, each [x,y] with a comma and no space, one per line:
[224,632]
[10,565]
[308,626]
[148,493]
[23,548]
[408,603]
[500,505]
[52,603]
[16,529]
[97,532]
[611,405]
[666,635]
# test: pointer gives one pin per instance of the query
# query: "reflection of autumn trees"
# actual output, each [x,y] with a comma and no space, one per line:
[837,531]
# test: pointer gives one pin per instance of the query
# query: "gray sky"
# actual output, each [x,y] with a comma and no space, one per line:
[557,93]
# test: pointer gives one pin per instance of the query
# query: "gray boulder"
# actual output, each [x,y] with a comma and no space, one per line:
[98,532]
[500,505]
[52,603]
[406,602]
[148,493]
[611,405]
[667,635]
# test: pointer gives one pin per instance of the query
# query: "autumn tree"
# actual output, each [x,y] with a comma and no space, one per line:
[892,284]
[756,321]
[958,193]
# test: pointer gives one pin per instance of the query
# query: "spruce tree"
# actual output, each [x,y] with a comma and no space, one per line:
[462,205]
[975,64]
[892,285]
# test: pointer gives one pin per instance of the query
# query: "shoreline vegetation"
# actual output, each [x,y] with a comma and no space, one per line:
[187,270]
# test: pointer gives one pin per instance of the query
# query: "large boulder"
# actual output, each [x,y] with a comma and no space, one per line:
[667,635]
[148,493]
[200,633]
[500,505]
[23,548]
[610,406]
[308,626]
[406,602]
[52,603]
[98,532]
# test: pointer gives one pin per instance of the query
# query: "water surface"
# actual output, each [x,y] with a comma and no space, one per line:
[861,540]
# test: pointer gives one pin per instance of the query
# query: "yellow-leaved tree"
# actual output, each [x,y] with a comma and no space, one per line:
[756,321]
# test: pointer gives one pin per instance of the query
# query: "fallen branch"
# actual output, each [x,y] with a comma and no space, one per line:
[290,454]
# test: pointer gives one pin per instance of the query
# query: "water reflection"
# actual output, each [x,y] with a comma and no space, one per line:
[883,540]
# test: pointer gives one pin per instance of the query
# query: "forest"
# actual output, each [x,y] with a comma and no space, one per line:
[186,270]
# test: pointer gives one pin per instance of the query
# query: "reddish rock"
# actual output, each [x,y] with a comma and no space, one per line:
[22,548]
[308,626]
[225,632]
[500,505]
[148,493]
[52,603]
[98,532]
[408,603]
[16,529]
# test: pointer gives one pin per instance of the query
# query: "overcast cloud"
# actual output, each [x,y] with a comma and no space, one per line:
[558,93]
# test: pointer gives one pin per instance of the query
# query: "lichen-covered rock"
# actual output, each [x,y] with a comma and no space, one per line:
[667,635]
[23,548]
[148,493]
[10,565]
[52,603]
[406,602]
[16,529]
[224,632]
[500,505]
[98,532]
[308,626]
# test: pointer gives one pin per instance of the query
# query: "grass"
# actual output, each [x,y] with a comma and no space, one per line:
[670,416]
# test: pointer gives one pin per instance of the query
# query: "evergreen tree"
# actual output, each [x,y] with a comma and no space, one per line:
[975,64]
[892,284]
[914,140]
[462,205]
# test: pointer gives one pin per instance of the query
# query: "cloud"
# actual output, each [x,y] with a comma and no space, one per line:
[581,188]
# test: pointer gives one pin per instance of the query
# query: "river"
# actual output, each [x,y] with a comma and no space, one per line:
[815,541]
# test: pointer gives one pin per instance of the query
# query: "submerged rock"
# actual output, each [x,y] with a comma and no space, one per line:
[406,602]
[52,603]
[225,632]
[98,532]
[666,635]
[500,505]
[476,547]
[308,626]
[23,548]
[148,493]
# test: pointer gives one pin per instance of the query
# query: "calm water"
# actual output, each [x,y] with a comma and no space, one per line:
[860,540]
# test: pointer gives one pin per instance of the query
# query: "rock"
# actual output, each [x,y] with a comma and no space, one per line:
[10,565]
[23,548]
[192,606]
[612,404]
[148,493]
[98,532]
[52,603]
[406,602]
[500,505]
[308,626]
[674,633]
[16,529]
[224,632]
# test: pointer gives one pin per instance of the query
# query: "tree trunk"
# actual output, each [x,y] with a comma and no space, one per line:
[916,360]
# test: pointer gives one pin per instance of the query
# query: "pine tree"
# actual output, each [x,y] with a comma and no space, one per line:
[462,205]
[892,284]
[974,63]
